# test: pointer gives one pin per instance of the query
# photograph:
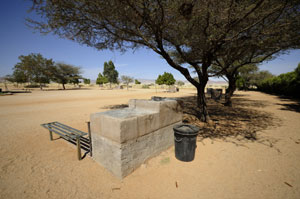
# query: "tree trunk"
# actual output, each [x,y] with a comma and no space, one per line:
[201,102]
[64,86]
[5,85]
[229,91]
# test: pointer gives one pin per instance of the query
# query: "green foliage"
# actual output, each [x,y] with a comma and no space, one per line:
[33,68]
[259,77]
[199,32]
[284,84]
[166,78]
[137,81]
[110,72]
[86,81]
[246,75]
[9,78]
[126,80]
[36,69]
[145,86]
[180,83]
[64,73]
[101,79]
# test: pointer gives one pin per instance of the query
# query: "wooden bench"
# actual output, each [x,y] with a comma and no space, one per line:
[73,135]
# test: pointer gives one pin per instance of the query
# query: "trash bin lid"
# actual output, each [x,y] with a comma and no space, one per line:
[186,129]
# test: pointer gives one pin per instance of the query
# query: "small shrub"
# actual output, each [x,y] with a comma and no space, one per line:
[32,86]
[145,86]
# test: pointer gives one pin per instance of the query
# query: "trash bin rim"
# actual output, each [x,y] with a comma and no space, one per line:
[194,128]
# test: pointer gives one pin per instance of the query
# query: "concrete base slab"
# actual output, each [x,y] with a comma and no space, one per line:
[122,159]
[123,139]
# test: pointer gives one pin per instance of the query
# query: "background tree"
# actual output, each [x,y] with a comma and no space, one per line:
[229,65]
[198,31]
[64,73]
[180,83]
[33,68]
[126,80]
[137,81]
[101,79]
[246,75]
[75,80]
[110,73]
[284,84]
[259,77]
[166,78]
[86,81]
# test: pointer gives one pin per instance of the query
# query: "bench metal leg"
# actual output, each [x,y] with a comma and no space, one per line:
[90,137]
[78,148]
[51,136]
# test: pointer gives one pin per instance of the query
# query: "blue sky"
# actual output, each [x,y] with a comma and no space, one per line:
[17,39]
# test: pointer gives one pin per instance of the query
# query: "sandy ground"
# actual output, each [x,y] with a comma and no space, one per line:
[33,167]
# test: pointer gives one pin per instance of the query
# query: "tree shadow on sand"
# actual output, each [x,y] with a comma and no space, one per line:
[238,124]
[290,107]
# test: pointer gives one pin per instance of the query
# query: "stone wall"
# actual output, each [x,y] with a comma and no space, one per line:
[124,139]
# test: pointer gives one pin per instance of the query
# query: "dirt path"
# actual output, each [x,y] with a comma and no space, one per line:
[33,167]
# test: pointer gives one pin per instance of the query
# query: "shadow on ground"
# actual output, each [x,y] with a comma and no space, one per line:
[238,124]
[290,107]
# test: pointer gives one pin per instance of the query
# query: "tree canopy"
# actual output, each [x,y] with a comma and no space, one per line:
[180,83]
[110,72]
[86,81]
[283,84]
[137,81]
[65,73]
[126,80]
[166,78]
[36,69]
[101,79]
[198,32]
[33,68]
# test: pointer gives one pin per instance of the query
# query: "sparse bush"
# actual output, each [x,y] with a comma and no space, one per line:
[32,86]
[145,86]
[179,83]
[86,81]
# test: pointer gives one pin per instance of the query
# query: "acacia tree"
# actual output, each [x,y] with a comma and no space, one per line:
[180,83]
[110,72]
[126,80]
[18,77]
[65,73]
[32,68]
[233,61]
[198,31]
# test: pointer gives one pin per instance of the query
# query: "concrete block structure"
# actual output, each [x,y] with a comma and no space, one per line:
[123,139]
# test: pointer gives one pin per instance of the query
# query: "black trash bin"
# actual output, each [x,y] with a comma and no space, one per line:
[185,136]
